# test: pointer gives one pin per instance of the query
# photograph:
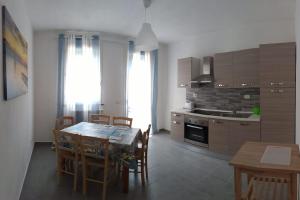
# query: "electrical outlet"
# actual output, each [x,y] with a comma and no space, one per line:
[247,96]
[195,95]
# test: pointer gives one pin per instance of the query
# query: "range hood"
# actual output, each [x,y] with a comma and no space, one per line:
[206,71]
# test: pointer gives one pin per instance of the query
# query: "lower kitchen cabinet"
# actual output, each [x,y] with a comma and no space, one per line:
[218,136]
[242,132]
[227,137]
[177,126]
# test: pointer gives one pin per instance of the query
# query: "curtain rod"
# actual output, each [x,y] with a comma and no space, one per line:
[81,32]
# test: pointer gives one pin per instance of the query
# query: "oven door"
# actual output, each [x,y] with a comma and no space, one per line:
[196,133]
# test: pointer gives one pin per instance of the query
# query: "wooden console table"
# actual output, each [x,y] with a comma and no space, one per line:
[247,160]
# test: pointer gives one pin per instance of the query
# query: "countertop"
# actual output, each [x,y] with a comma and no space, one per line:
[252,118]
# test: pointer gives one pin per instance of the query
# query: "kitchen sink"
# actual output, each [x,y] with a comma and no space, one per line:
[221,113]
[238,115]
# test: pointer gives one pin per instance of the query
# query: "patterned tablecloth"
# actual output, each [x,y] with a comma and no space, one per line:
[123,136]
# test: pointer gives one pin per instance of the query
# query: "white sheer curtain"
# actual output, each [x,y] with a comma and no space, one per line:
[139,90]
[82,78]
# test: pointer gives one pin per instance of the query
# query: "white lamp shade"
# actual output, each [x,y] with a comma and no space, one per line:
[146,39]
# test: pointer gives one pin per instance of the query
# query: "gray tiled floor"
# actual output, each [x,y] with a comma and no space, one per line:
[176,171]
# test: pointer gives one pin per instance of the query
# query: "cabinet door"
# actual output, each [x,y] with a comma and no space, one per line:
[223,70]
[246,68]
[218,136]
[278,65]
[278,115]
[184,72]
[177,126]
[242,132]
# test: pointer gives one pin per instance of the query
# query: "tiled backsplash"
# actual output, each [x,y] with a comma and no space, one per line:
[224,99]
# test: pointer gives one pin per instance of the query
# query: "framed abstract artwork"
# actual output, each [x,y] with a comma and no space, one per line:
[15,58]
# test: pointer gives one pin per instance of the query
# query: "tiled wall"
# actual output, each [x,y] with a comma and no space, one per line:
[224,99]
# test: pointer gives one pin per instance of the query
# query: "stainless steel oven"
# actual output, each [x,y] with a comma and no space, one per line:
[196,131]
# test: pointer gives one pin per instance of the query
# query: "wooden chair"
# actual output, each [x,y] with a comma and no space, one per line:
[122,121]
[67,152]
[264,187]
[141,156]
[95,153]
[64,122]
[100,119]
[61,123]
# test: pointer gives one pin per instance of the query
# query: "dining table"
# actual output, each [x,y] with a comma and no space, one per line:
[249,160]
[120,137]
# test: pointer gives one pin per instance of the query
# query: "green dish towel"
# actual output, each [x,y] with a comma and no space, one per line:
[256,110]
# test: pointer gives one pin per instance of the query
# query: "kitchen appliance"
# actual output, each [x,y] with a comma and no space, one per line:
[196,131]
[206,71]
[188,105]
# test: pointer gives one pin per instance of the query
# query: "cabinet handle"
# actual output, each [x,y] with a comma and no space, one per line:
[277,91]
[175,122]
[244,124]
[244,84]
[220,85]
[218,122]
[183,85]
[176,115]
[196,127]
[279,83]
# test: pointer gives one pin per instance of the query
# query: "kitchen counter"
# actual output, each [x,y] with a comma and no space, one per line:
[252,118]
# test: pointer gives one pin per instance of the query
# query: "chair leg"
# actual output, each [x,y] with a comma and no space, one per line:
[59,168]
[146,167]
[84,181]
[106,171]
[75,174]
[104,190]
[143,173]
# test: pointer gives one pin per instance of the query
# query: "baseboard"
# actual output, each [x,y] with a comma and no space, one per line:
[164,130]
[44,141]
[27,166]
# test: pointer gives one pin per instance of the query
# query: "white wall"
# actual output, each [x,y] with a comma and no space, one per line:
[240,37]
[297,22]
[16,118]
[114,60]
[45,84]
[163,77]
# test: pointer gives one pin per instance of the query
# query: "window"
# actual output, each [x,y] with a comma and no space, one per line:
[139,90]
[82,76]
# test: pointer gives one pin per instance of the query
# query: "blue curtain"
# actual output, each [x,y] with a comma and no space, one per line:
[154,75]
[154,83]
[61,72]
[62,51]
[129,66]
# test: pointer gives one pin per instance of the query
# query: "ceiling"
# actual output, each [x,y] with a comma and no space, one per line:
[172,20]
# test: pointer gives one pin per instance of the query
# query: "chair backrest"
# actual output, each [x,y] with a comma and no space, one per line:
[122,121]
[94,147]
[64,122]
[66,141]
[145,139]
[100,119]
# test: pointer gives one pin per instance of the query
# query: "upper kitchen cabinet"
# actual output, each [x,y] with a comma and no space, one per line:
[188,71]
[223,70]
[278,65]
[246,68]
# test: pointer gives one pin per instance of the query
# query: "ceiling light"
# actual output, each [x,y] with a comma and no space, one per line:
[146,39]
